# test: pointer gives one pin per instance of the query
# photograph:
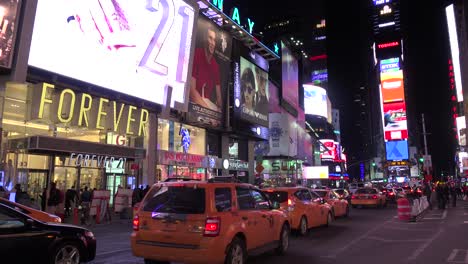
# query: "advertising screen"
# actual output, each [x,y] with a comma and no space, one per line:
[8,25]
[327,149]
[315,100]
[251,97]
[395,124]
[210,74]
[461,130]
[132,47]
[290,75]
[274,98]
[397,150]
[454,49]
[392,86]
[315,172]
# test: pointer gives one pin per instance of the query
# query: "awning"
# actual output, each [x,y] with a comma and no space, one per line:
[64,146]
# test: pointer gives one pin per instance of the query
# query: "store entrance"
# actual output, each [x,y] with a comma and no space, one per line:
[116,179]
[33,182]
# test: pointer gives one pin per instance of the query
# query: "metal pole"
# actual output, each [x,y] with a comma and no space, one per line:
[424,134]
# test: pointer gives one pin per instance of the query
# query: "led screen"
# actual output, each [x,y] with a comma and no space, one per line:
[392,86]
[327,149]
[251,93]
[315,100]
[8,26]
[461,130]
[397,150]
[210,74]
[290,76]
[395,124]
[315,172]
[454,49]
[132,47]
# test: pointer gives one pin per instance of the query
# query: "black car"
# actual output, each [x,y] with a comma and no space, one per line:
[26,240]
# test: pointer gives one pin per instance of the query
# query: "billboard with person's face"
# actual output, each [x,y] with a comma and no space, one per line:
[134,47]
[395,124]
[251,97]
[210,74]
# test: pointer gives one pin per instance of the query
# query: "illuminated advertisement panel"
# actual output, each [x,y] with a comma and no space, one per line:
[290,76]
[251,97]
[381,2]
[387,65]
[397,150]
[315,172]
[392,86]
[454,49]
[135,49]
[210,74]
[315,100]
[327,149]
[395,124]
[461,130]
[8,26]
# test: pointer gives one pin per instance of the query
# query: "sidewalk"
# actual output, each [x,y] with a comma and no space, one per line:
[116,224]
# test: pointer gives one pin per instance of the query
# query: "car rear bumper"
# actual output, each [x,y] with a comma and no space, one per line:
[177,252]
[364,202]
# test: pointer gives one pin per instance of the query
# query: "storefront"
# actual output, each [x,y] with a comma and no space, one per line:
[77,140]
[280,172]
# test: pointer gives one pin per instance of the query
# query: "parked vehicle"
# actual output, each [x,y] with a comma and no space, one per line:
[24,239]
[204,222]
[368,197]
[34,213]
[339,205]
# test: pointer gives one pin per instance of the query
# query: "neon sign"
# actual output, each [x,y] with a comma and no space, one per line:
[381,2]
[386,24]
[318,57]
[388,45]
[388,65]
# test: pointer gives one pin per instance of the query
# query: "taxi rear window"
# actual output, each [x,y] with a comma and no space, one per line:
[277,196]
[366,191]
[175,199]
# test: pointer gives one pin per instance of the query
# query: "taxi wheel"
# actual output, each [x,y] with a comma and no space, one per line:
[236,253]
[303,226]
[283,241]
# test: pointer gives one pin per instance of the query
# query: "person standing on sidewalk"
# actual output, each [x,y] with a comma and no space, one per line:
[54,199]
[86,198]
[428,193]
[453,195]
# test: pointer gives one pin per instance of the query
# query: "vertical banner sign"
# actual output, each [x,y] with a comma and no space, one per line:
[139,48]
[290,75]
[210,74]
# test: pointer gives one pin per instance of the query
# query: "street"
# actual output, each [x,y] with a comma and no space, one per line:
[368,236]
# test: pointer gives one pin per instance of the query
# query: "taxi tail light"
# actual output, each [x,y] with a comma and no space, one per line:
[136,223]
[374,196]
[391,194]
[212,226]
[290,204]
[353,197]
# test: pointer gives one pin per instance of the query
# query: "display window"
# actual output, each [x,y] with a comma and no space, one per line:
[175,136]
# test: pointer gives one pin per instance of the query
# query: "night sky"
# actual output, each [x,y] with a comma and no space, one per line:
[348,34]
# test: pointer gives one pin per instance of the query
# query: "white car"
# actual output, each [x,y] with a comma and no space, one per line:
[354,186]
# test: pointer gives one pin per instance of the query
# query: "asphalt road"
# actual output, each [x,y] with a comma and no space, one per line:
[368,235]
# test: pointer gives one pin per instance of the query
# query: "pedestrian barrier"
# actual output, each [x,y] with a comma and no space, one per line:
[415,208]
[123,199]
[404,209]
[100,205]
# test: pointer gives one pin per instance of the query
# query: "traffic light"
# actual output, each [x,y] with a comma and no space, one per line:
[421,160]
[373,164]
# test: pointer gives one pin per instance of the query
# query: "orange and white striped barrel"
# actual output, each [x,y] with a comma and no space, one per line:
[404,209]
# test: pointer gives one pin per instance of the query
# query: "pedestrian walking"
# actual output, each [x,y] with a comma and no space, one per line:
[71,198]
[453,195]
[428,193]
[86,199]
[54,199]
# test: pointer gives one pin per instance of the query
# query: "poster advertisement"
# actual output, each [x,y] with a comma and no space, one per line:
[132,47]
[290,76]
[315,100]
[252,97]
[395,124]
[283,135]
[392,86]
[210,74]
[8,27]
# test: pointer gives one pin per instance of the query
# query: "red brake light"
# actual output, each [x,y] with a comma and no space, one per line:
[290,202]
[391,194]
[212,226]
[353,197]
[374,196]
[136,223]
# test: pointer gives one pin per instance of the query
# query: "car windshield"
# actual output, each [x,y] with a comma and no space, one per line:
[175,199]
[366,191]
[277,196]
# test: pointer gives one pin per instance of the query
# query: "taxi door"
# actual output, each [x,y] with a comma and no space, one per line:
[265,220]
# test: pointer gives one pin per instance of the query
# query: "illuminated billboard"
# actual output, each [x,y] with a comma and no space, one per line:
[315,172]
[397,150]
[461,130]
[8,26]
[290,76]
[392,86]
[315,100]
[135,49]
[251,97]
[454,49]
[395,124]
[387,65]
[327,149]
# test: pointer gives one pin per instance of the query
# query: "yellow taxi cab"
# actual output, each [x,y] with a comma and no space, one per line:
[305,212]
[368,197]
[33,213]
[339,205]
[204,222]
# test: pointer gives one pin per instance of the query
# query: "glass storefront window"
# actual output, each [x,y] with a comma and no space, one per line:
[170,138]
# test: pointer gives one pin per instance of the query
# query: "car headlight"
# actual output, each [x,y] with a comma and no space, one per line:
[89,234]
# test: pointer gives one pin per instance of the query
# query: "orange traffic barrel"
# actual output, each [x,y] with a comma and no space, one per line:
[404,209]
